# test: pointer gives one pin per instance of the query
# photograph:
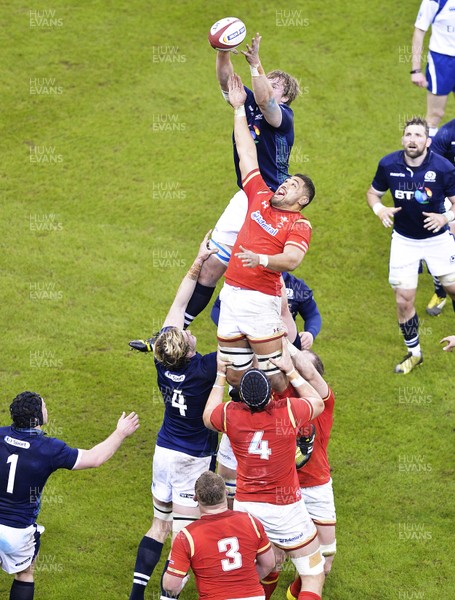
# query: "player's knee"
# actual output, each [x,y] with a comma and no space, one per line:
[312,564]
[407,283]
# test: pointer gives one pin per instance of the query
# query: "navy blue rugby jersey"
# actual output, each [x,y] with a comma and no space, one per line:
[273,144]
[185,393]
[416,190]
[444,141]
[301,302]
[27,458]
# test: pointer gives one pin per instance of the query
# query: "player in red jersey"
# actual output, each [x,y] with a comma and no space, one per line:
[262,430]
[273,238]
[314,477]
[228,551]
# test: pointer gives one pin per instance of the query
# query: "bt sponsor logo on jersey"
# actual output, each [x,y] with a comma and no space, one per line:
[173,377]
[421,195]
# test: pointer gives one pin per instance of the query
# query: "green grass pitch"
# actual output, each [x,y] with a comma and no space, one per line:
[116,159]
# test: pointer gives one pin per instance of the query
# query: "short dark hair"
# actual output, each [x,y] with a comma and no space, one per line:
[291,87]
[27,410]
[309,186]
[417,121]
[210,489]
[255,390]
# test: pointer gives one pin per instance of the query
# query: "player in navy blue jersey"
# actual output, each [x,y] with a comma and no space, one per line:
[27,458]
[444,144]
[271,123]
[184,447]
[300,301]
[419,180]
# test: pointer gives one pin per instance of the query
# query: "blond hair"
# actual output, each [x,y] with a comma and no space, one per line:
[171,348]
[291,87]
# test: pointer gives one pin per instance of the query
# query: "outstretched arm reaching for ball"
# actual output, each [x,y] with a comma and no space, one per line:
[246,148]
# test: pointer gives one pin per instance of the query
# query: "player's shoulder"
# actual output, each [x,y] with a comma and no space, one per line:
[439,162]
[392,158]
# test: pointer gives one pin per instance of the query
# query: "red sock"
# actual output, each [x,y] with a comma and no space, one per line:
[295,587]
[269,583]
[305,595]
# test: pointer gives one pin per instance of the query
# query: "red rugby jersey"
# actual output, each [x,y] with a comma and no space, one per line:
[317,469]
[264,446]
[266,230]
[221,550]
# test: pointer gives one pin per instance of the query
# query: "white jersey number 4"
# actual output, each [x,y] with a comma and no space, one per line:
[259,446]
[178,401]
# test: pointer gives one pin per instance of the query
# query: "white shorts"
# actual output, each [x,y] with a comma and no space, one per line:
[249,312]
[18,547]
[232,219]
[320,503]
[288,526]
[225,454]
[406,253]
[174,475]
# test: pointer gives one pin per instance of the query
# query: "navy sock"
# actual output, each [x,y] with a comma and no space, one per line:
[410,331]
[148,555]
[22,590]
[198,301]
[438,289]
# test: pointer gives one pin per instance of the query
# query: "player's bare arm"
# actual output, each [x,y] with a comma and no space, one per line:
[246,149]
[288,260]
[418,78]
[262,86]
[307,370]
[224,69]
[176,314]
[217,393]
[384,213]
[303,389]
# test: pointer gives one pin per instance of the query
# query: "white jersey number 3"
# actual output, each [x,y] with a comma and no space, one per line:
[230,547]
[259,446]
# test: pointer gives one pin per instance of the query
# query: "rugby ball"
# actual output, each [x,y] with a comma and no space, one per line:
[227,33]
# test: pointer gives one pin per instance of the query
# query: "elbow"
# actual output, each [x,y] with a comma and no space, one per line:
[293,263]
[318,407]
[206,420]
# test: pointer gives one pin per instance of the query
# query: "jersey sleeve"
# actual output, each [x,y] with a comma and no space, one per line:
[302,411]
[441,143]
[311,316]
[287,119]
[427,12]
[449,188]
[208,365]
[63,456]
[380,182]
[179,560]
[263,540]
[218,417]
[300,235]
